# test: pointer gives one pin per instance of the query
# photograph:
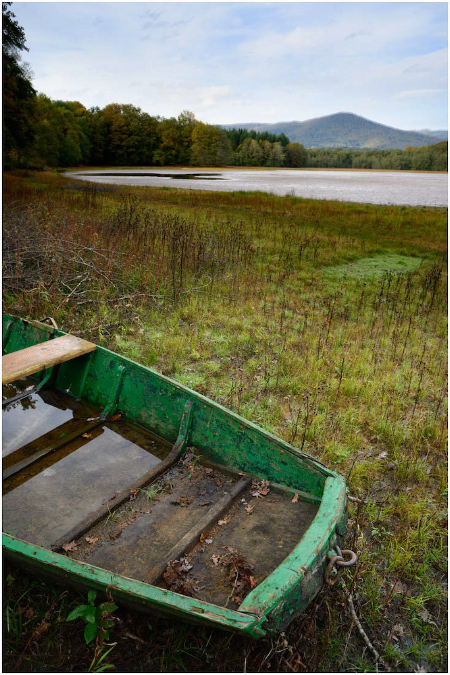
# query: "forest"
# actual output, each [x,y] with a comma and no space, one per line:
[65,133]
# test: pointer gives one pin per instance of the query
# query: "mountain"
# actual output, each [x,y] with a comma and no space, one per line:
[343,130]
[439,134]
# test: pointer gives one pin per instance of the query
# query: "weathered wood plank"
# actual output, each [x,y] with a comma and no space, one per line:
[39,357]
[191,537]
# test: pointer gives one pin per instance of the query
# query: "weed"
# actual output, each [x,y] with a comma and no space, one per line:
[97,619]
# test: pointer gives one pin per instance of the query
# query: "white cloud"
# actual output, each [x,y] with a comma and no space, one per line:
[237,62]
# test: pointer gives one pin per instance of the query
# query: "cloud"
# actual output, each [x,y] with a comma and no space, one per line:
[244,61]
[210,96]
[419,92]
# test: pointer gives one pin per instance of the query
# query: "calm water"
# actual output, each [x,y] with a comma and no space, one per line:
[375,187]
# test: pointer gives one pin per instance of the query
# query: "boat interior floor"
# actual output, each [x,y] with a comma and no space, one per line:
[198,528]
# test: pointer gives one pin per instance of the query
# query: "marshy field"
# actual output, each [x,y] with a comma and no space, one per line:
[323,322]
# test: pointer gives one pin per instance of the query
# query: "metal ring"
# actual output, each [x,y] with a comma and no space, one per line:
[340,562]
[347,563]
[328,569]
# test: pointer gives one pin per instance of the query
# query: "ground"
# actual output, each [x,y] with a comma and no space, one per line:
[324,323]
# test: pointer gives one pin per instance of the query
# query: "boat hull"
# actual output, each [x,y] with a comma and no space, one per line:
[114,383]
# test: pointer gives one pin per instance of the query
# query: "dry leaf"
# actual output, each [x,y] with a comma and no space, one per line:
[87,435]
[176,577]
[183,501]
[216,559]
[204,503]
[114,418]
[42,628]
[91,540]
[397,631]
[425,616]
[70,546]
[295,498]
[260,488]
[239,574]
[225,521]
[249,508]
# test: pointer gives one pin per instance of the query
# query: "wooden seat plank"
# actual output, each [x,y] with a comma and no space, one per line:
[45,355]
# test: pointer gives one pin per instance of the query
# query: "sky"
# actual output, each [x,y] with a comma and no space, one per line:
[231,62]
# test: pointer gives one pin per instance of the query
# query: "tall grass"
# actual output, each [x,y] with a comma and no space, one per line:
[324,322]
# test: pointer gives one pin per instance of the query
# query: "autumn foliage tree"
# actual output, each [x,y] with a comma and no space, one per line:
[18,92]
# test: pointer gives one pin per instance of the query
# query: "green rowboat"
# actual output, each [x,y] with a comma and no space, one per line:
[119,479]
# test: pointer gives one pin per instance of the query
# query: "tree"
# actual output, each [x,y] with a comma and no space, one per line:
[250,153]
[296,155]
[18,92]
[277,156]
[210,146]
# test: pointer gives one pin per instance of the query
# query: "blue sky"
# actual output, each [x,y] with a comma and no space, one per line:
[245,61]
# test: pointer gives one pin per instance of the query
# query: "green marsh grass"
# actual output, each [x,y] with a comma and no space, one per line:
[323,322]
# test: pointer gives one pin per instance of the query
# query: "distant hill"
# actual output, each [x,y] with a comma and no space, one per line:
[439,134]
[343,130]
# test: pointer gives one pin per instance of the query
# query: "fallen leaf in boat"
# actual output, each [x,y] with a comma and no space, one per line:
[91,540]
[260,488]
[205,539]
[70,546]
[86,435]
[225,521]
[183,501]
[176,577]
[114,418]
[250,508]
[204,503]
[239,574]
[295,498]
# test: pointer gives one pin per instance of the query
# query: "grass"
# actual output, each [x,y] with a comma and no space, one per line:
[323,322]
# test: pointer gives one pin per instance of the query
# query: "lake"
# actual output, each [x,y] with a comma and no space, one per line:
[375,187]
